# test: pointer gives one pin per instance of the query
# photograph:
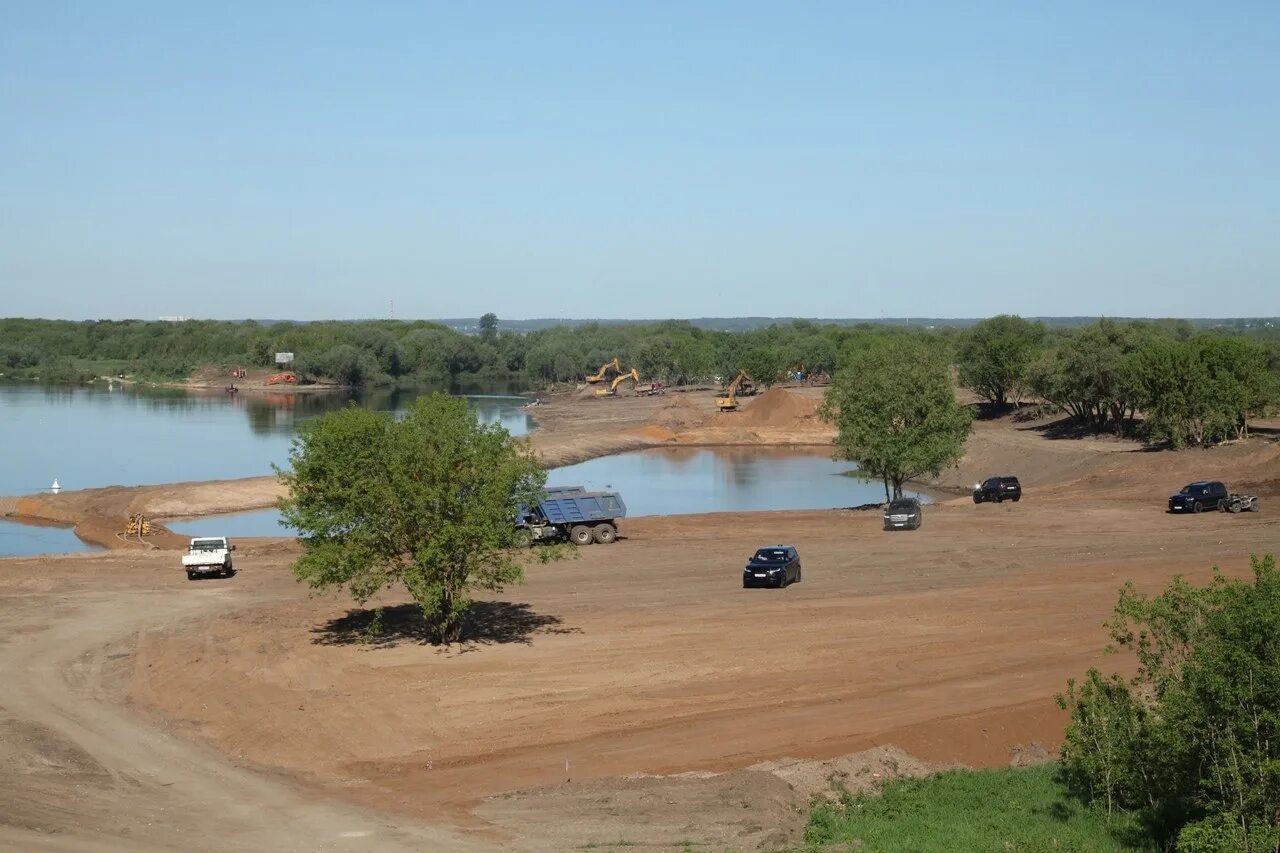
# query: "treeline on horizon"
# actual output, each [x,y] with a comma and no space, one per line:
[1164,380]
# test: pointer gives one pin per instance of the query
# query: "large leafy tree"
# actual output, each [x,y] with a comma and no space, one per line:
[896,412]
[1193,740]
[426,502]
[993,356]
[1092,374]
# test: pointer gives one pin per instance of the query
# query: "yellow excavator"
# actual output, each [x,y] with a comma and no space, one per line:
[741,384]
[633,375]
[608,367]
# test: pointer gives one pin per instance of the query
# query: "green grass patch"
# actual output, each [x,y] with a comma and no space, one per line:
[1007,810]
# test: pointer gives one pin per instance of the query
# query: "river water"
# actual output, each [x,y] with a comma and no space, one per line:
[87,437]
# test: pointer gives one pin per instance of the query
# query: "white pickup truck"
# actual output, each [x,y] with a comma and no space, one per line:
[208,555]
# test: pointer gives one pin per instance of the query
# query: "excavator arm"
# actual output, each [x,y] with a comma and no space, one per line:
[600,375]
[729,402]
[633,375]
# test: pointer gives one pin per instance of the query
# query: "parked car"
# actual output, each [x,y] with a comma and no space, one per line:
[998,489]
[1211,494]
[208,555]
[772,565]
[903,514]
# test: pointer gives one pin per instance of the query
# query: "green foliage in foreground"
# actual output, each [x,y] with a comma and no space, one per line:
[427,502]
[1000,810]
[1192,742]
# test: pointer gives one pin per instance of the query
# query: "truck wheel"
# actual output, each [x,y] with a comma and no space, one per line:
[191,576]
[604,533]
[580,535]
[1197,507]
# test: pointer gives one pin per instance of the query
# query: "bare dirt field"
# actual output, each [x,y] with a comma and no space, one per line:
[636,694]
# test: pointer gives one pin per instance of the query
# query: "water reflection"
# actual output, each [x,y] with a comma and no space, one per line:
[116,435]
[669,481]
[674,481]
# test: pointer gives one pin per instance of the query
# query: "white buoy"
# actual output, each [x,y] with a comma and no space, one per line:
[56,487]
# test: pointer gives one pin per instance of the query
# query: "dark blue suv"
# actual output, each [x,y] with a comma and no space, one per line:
[772,565]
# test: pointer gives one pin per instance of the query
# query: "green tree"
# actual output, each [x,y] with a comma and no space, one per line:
[1091,374]
[766,364]
[426,502]
[1193,740]
[489,325]
[993,356]
[896,412]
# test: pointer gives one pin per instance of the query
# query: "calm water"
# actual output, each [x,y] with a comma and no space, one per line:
[95,436]
[667,481]
[21,540]
[90,437]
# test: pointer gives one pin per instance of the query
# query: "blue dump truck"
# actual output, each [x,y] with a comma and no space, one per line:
[573,513]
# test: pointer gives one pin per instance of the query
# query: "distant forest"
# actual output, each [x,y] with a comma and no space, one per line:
[1192,382]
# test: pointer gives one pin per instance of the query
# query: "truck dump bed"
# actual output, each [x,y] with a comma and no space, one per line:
[577,507]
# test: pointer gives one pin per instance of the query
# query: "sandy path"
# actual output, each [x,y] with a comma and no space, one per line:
[136,787]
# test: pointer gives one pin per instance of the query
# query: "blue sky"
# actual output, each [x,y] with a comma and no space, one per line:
[322,160]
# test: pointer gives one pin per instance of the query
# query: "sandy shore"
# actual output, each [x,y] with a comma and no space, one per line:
[571,427]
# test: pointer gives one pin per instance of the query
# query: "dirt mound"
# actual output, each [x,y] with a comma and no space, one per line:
[1029,754]
[778,407]
[861,771]
[1262,488]
[740,810]
[677,414]
[652,433]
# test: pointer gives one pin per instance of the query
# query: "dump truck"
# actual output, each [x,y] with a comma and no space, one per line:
[573,513]
[208,555]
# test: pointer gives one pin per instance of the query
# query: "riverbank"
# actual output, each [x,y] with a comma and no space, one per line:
[576,426]
[569,427]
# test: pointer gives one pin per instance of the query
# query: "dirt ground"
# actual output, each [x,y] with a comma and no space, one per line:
[635,695]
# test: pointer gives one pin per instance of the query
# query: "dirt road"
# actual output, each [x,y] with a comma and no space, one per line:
[641,657]
[81,772]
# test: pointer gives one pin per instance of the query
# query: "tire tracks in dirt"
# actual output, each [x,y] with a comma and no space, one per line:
[88,775]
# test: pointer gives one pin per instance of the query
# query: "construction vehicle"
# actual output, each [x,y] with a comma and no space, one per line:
[285,378]
[573,513]
[633,375]
[608,367]
[741,386]
[650,389]
[138,526]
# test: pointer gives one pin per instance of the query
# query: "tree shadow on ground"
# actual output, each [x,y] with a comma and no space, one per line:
[487,623]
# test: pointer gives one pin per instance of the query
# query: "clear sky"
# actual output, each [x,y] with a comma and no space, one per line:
[645,159]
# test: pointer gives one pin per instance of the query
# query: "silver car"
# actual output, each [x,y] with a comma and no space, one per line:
[903,514]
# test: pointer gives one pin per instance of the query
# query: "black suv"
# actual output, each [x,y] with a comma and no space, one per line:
[903,514]
[772,565]
[998,489]
[1199,496]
